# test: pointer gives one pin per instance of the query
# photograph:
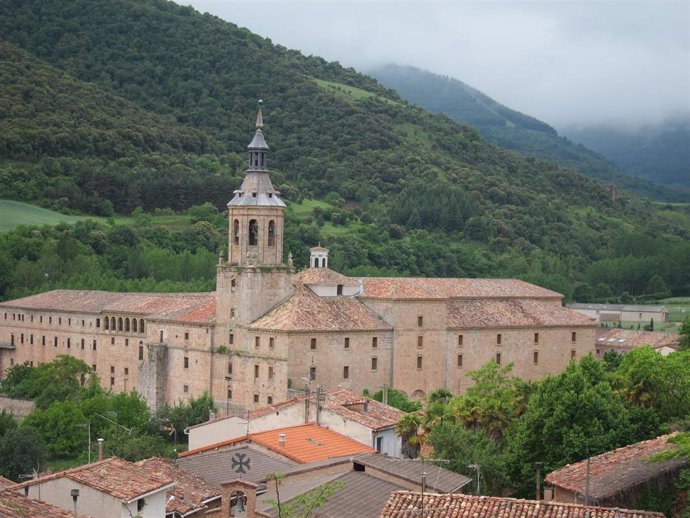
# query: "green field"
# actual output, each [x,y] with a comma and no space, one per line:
[15,213]
[351,92]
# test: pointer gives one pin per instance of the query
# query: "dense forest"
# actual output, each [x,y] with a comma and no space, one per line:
[662,160]
[144,106]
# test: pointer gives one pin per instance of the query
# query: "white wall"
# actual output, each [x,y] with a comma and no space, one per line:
[90,502]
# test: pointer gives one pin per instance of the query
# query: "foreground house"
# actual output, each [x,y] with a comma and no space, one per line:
[266,327]
[360,418]
[624,340]
[403,504]
[13,505]
[109,488]
[616,477]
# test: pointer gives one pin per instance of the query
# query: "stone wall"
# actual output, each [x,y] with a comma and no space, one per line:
[19,408]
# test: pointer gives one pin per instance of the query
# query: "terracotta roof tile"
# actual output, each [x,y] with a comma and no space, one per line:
[116,477]
[617,470]
[6,482]
[309,443]
[324,277]
[505,313]
[630,339]
[191,491]
[185,307]
[405,504]
[13,505]
[306,311]
[350,405]
[434,288]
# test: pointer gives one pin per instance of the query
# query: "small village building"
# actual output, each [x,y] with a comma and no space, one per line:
[363,419]
[13,505]
[109,488]
[616,477]
[637,313]
[624,340]
[405,504]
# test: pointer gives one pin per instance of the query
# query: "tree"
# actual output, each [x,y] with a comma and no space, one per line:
[657,288]
[408,428]
[684,342]
[22,451]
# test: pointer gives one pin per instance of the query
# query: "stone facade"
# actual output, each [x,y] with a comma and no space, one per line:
[267,328]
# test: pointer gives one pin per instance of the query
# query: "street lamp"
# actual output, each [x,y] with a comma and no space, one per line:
[476,466]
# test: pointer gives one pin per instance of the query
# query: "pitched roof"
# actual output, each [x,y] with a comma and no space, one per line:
[618,307]
[181,307]
[323,276]
[350,405]
[505,313]
[191,491]
[437,479]
[306,311]
[13,505]
[308,443]
[424,288]
[116,477]
[406,504]
[630,339]
[6,482]
[215,467]
[617,470]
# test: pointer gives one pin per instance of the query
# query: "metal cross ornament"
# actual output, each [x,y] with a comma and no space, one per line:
[240,463]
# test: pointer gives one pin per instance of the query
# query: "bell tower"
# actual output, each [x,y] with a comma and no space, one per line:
[256,212]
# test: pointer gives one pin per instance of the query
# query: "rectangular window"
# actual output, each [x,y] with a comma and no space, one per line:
[419,362]
[535,358]
[40,319]
[141,352]
[69,321]
[256,398]
[186,335]
[94,345]
[21,338]
[69,343]
[420,321]
[573,336]
[59,321]
[50,320]
[83,323]
[256,372]
[374,363]
[420,342]
[31,339]
[32,318]
[55,340]
[257,341]
[374,342]
[460,339]
[229,393]
[498,358]
[460,360]
[536,338]
[313,343]
[126,371]
[126,342]
[185,388]
[498,339]
[346,372]
[572,354]
[270,373]
[269,400]
[312,373]
[82,344]
[112,381]
[112,340]
[98,322]
[347,343]
[231,338]
[271,343]
[230,368]
[43,340]
[186,362]
[112,369]
[93,367]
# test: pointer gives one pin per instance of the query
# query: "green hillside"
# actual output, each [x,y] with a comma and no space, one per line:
[523,134]
[405,192]
[15,213]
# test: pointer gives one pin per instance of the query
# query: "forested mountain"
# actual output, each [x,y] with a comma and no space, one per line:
[660,153]
[163,99]
[518,132]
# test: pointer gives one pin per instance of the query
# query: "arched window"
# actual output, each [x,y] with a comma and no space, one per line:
[253,233]
[271,233]
[141,325]
[106,323]
[119,324]
[236,232]
[134,325]
[127,325]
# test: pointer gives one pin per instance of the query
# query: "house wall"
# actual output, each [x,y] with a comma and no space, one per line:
[91,502]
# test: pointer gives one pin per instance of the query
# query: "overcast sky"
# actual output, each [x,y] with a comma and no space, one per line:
[565,62]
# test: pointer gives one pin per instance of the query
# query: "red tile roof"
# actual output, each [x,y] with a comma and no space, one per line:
[306,311]
[630,338]
[303,443]
[198,308]
[349,405]
[406,504]
[323,277]
[423,288]
[617,470]
[6,482]
[506,313]
[116,477]
[191,491]
[13,505]
[309,443]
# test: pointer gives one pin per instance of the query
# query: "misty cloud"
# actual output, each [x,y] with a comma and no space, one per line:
[566,62]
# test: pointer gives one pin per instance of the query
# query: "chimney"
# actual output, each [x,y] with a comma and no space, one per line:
[100,449]
[366,406]
[281,440]
[75,496]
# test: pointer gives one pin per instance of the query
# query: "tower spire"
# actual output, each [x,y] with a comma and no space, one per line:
[259,117]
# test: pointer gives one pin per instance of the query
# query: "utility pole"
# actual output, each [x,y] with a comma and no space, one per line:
[476,466]
[538,465]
